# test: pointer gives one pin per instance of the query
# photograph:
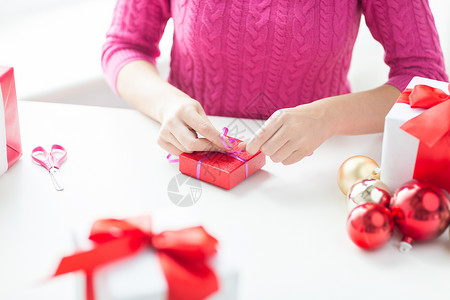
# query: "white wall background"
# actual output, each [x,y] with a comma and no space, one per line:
[55,47]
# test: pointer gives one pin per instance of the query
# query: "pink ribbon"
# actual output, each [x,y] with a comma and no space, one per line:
[230,139]
[172,160]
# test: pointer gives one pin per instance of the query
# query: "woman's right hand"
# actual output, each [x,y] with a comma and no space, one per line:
[183,120]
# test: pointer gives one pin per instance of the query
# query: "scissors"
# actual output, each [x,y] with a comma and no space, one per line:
[52,162]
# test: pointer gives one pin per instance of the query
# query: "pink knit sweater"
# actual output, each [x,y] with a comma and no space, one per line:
[247,58]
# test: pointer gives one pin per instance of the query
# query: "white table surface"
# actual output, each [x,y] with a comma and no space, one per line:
[284,226]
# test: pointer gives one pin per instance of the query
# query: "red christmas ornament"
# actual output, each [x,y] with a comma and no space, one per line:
[421,211]
[370,225]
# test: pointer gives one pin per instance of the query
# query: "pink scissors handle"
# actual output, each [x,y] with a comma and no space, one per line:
[57,161]
[45,162]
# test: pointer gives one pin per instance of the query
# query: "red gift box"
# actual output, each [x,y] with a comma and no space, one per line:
[224,169]
[10,145]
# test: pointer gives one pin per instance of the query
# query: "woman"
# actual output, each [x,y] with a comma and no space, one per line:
[282,60]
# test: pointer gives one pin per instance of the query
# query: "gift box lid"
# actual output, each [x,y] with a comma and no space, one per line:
[403,111]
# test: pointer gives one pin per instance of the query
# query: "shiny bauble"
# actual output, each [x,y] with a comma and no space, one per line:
[368,191]
[370,225]
[355,169]
[421,211]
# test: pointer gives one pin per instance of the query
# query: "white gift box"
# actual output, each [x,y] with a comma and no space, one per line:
[400,149]
[140,277]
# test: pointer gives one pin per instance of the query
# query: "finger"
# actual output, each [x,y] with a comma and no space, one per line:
[296,156]
[241,146]
[174,141]
[166,136]
[276,142]
[270,127]
[283,152]
[191,142]
[225,141]
[203,144]
[203,126]
[170,148]
[180,136]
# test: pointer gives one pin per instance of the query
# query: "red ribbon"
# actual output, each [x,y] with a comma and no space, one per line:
[432,128]
[183,255]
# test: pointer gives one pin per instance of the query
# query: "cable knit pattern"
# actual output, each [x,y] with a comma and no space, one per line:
[248,58]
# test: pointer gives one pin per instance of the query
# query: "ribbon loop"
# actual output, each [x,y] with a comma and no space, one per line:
[191,243]
[432,125]
[106,230]
[424,96]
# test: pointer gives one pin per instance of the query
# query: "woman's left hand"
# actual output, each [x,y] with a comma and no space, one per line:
[291,134]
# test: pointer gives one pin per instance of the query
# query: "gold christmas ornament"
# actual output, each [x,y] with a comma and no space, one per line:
[355,169]
[376,174]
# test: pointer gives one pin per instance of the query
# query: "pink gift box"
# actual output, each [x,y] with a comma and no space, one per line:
[10,146]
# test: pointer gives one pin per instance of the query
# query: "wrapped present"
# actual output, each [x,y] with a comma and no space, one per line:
[10,146]
[224,169]
[129,260]
[416,142]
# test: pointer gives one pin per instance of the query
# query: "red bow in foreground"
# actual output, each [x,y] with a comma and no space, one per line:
[183,255]
[432,128]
